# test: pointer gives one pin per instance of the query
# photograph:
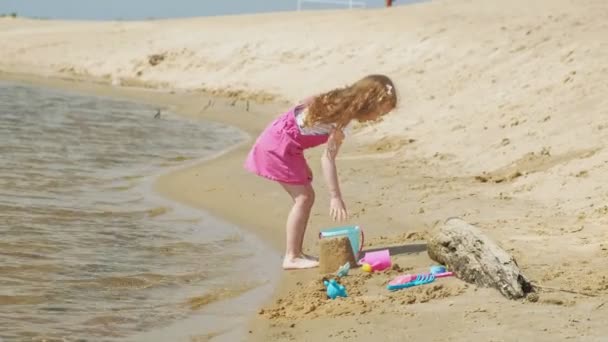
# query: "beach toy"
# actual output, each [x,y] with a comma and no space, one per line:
[440,272]
[438,269]
[444,274]
[366,268]
[343,270]
[354,234]
[409,280]
[378,260]
[402,279]
[334,289]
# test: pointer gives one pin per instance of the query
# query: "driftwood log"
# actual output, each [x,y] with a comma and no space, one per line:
[476,259]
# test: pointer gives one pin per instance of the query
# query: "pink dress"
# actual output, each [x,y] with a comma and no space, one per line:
[278,153]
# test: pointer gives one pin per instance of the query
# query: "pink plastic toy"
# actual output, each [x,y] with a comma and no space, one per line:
[409,280]
[379,260]
[405,281]
[443,274]
[411,277]
[406,278]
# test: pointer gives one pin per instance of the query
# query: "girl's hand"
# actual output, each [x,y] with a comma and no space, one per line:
[337,209]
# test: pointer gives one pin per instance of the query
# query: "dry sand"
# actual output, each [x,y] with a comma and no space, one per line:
[503,121]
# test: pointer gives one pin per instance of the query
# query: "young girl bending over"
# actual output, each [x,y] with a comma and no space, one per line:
[278,153]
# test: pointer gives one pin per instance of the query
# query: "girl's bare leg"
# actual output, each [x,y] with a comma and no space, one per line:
[303,198]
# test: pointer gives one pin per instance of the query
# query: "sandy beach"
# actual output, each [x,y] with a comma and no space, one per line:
[502,121]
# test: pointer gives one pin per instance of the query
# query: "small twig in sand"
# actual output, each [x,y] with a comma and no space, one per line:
[577,230]
[562,290]
[599,306]
[208,105]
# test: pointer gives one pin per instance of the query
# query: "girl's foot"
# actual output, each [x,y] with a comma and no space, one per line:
[309,257]
[299,263]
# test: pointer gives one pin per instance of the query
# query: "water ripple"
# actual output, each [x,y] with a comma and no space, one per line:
[84,254]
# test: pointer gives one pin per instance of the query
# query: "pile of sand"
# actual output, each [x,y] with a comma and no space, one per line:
[366,293]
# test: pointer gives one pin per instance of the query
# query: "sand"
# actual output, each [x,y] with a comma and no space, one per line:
[335,252]
[502,121]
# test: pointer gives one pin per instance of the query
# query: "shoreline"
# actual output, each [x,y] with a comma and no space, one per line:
[266,208]
[163,184]
[186,105]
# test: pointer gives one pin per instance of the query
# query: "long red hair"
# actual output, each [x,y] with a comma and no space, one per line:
[340,106]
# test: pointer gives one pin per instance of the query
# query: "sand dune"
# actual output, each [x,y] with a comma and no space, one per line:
[499,77]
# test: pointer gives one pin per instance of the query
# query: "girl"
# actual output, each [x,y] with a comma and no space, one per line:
[278,152]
